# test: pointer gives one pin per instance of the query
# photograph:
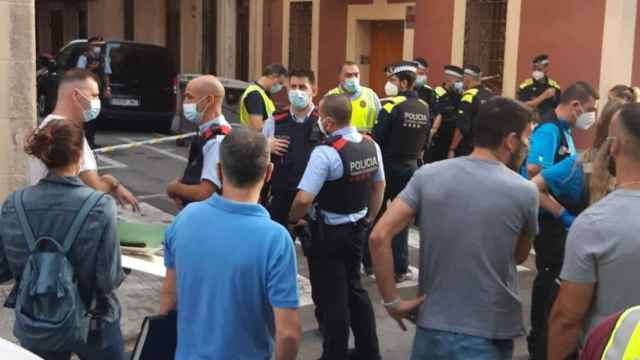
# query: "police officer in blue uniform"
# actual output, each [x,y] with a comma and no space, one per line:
[292,134]
[402,130]
[345,180]
[540,91]
[551,143]
[202,106]
[448,97]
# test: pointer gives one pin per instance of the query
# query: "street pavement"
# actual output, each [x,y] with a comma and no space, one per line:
[146,171]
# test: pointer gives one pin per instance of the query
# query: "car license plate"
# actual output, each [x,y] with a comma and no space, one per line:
[125,102]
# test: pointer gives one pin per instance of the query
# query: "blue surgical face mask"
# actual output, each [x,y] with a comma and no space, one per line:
[421,80]
[299,99]
[351,85]
[276,88]
[191,112]
[93,111]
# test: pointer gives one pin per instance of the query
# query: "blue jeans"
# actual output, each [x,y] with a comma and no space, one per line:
[442,345]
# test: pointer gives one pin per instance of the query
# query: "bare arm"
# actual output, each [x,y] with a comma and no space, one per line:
[288,333]
[455,142]
[256,122]
[547,201]
[168,292]
[549,93]
[523,247]
[199,192]
[375,200]
[533,170]
[301,205]
[397,217]
[437,123]
[566,319]
[109,184]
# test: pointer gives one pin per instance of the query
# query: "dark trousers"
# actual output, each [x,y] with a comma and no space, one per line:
[334,269]
[544,293]
[106,344]
[442,142]
[397,174]
[280,206]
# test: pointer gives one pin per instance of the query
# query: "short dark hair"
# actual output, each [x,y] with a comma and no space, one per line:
[338,107]
[581,91]
[78,75]
[498,118]
[303,73]
[347,63]
[95,38]
[274,69]
[408,76]
[624,93]
[629,119]
[244,157]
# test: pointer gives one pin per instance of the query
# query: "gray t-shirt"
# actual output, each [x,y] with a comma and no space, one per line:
[603,247]
[471,215]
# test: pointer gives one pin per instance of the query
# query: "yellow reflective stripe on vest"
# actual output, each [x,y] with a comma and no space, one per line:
[392,102]
[440,91]
[554,84]
[363,109]
[468,95]
[244,113]
[624,343]
[526,83]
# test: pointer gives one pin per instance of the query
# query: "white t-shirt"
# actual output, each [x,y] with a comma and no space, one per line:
[38,170]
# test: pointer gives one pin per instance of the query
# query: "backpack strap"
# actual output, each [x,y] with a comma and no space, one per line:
[80,218]
[24,221]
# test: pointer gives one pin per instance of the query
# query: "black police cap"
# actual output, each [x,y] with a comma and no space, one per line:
[453,70]
[473,70]
[421,62]
[542,59]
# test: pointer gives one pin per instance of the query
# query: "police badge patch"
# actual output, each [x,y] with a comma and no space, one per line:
[363,104]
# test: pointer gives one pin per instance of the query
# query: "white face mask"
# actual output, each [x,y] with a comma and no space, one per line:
[97,50]
[421,80]
[586,120]
[322,130]
[458,87]
[537,75]
[93,111]
[390,89]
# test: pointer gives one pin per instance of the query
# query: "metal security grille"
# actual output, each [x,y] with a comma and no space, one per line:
[484,38]
[300,35]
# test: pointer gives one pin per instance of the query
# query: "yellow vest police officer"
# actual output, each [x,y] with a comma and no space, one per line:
[540,91]
[365,103]
[475,95]
[255,104]
[447,101]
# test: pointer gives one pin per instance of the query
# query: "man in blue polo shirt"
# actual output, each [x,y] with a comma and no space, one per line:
[230,268]
[551,143]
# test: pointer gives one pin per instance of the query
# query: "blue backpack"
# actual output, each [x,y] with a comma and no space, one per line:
[49,312]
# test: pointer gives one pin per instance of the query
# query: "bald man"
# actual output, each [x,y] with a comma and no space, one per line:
[79,102]
[202,106]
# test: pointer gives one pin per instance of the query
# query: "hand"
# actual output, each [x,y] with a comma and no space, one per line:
[549,93]
[124,196]
[406,309]
[278,146]
[171,186]
[567,219]
[179,203]
[300,223]
[451,154]
[434,131]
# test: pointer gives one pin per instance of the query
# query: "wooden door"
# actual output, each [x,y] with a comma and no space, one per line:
[242,40]
[57,31]
[173,31]
[300,35]
[386,48]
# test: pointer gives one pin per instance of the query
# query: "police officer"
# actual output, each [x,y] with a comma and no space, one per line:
[540,91]
[346,180]
[448,99]
[292,133]
[256,105]
[401,131]
[92,61]
[427,94]
[202,106]
[473,97]
[551,143]
[365,103]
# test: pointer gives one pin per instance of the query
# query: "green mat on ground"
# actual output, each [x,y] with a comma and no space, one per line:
[141,235]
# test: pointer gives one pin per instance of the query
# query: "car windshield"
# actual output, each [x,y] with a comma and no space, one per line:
[140,65]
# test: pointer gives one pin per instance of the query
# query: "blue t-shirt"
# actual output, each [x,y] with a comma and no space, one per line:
[545,143]
[565,180]
[233,266]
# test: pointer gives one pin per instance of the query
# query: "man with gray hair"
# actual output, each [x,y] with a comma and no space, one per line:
[603,247]
[231,270]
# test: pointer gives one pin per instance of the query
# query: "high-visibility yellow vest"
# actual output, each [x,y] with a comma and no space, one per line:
[364,110]
[244,114]
[624,343]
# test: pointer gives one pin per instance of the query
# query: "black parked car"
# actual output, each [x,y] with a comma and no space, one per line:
[143,82]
